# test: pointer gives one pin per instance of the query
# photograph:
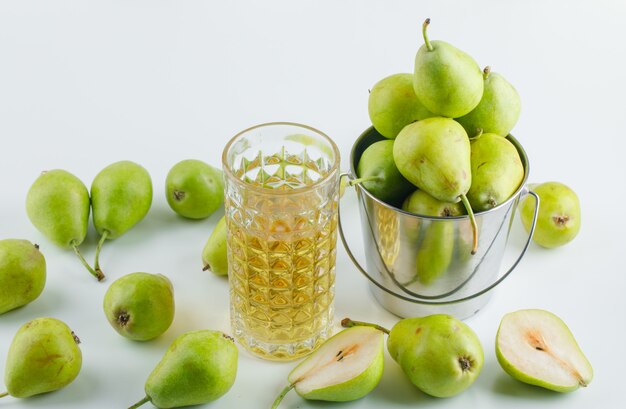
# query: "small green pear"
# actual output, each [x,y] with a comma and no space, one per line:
[194,189]
[378,173]
[437,246]
[536,347]
[22,273]
[121,195]
[446,80]
[43,357]
[199,367]
[439,354]
[140,306]
[497,171]
[214,257]
[434,155]
[498,110]
[558,221]
[392,105]
[57,204]
[346,367]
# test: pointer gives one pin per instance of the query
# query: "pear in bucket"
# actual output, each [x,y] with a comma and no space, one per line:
[439,354]
[22,273]
[497,171]
[346,367]
[498,110]
[536,347]
[121,195]
[378,174]
[437,245]
[57,204]
[392,105]
[446,80]
[434,155]
[43,357]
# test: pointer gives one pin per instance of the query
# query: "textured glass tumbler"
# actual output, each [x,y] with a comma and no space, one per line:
[281,191]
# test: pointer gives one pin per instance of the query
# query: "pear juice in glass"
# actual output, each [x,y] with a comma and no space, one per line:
[281,191]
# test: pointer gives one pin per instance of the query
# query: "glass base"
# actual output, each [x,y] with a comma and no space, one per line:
[282,351]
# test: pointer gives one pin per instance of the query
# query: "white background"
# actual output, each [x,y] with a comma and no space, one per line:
[84,84]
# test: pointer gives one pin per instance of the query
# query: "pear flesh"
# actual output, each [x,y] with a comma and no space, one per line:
[214,255]
[22,273]
[497,171]
[43,357]
[537,347]
[198,367]
[346,367]
[392,105]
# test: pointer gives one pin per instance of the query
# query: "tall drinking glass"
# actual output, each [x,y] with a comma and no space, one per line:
[281,191]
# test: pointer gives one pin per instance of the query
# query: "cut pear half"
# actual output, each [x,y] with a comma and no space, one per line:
[536,347]
[346,367]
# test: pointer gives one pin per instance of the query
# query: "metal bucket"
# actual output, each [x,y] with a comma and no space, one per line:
[421,265]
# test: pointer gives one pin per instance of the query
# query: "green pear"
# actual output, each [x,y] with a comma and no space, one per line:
[378,173]
[121,195]
[214,257]
[199,367]
[558,221]
[22,273]
[194,189]
[439,354]
[57,204]
[434,155]
[392,105]
[497,171]
[498,110]
[140,306]
[446,80]
[423,204]
[346,367]
[43,357]
[437,246]
[536,347]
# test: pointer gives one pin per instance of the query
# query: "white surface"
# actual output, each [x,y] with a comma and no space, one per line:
[84,84]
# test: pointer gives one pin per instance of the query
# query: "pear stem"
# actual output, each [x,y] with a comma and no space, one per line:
[207,267]
[348,323]
[282,395]
[94,273]
[486,72]
[361,180]
[479,133]
[141,402]
[429,46]
[2,395]
[96,265]
[470,213]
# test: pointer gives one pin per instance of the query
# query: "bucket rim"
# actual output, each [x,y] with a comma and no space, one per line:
[518,191]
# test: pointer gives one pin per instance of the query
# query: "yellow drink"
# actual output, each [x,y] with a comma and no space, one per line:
[281,212]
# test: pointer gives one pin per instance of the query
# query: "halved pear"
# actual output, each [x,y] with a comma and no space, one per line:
[346,367]
[536,347]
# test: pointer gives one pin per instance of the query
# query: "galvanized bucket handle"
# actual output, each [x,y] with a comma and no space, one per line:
[363,271]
